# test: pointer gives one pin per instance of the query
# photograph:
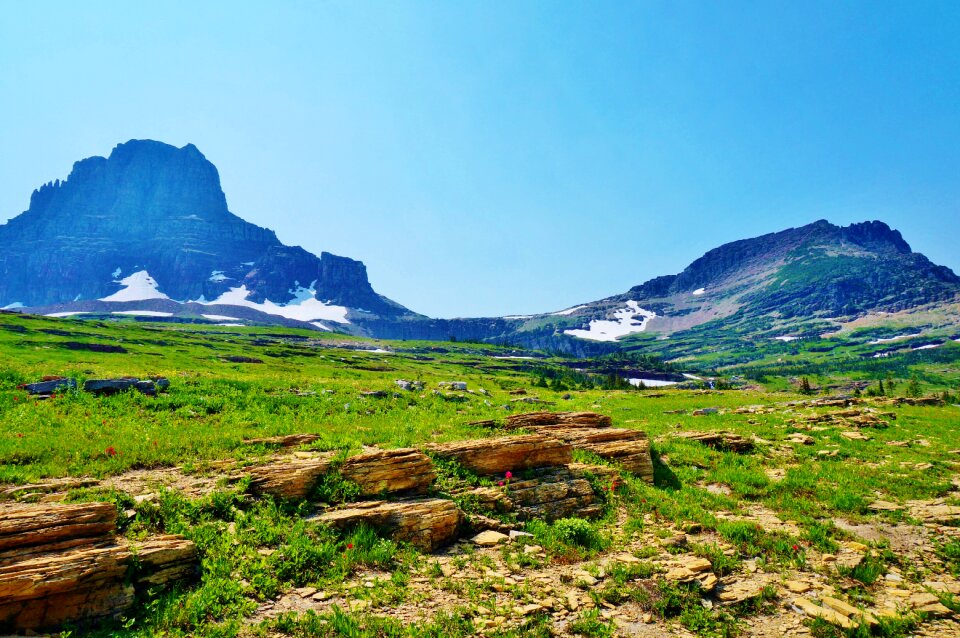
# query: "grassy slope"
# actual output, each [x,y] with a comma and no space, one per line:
[212,405]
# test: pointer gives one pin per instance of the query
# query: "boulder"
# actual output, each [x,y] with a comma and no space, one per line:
[721,440]
[49,590]
[26,527]
[500,455]
[289,440]
[628,448]
[564,419]
[552,494]
[376,473]
[61,564]
[290,478]
[106,387]
[426,523]
[49,385]
[390,471]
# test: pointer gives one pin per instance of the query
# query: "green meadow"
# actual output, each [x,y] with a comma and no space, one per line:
[343,389]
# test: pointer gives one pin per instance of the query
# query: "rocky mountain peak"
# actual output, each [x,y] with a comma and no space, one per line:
[153,208]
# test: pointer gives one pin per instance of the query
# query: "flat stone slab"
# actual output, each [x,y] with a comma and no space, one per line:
[427,523]
[506,454]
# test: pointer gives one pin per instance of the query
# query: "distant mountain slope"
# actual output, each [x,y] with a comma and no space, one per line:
[151,222]
[818,275]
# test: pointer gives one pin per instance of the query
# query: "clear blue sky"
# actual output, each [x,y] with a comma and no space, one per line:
[491,158]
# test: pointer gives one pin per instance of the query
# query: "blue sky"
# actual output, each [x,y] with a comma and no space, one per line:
[508,157]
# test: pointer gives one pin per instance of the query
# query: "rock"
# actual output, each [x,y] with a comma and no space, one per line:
[61,564]
[409,386]
[242,359]
[705,411]
[803,439]
[379,472]
[928,512]
[403,470]
[630,449]
[553,493]
[374,394]
[36,528]
[49,385]
[289,440]
[49,590]
[106,387]
[853,435]
[720,440]
[512,453]
[825,613]
[426,523]
[290,478]
[565,419]
[458,386]
[490,538]
[796,587]
[731,591]
[164,560]
[848,610]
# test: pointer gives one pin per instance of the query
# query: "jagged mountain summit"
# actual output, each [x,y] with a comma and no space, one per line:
[149,226]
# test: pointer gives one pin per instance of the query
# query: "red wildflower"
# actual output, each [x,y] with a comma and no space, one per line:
[111,451]
[19,435]
[349,545]
[796,548]
[500,483]
[509,474]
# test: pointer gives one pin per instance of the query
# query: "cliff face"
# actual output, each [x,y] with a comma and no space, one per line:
[154,207]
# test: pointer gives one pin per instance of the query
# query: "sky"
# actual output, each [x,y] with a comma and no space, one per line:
[508,157]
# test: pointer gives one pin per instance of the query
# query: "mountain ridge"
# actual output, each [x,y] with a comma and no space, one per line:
[150,224]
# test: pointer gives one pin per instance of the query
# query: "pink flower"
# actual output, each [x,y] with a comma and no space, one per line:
[509,474]
[500,483]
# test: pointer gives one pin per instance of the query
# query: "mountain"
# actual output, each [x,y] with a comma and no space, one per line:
[150,224]
[147,232]
[800,281]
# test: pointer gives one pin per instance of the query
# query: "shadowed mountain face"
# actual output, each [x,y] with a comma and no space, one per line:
[157,208]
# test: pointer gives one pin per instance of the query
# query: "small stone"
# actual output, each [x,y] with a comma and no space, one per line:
[489,538]
[796,586]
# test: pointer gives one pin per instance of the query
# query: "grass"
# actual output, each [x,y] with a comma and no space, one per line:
[254,550]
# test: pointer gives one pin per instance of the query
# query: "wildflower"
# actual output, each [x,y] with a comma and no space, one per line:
[16,398]
[349,545]
[500,483]
[796,548]
[111,451]
[19,435]
[509,475]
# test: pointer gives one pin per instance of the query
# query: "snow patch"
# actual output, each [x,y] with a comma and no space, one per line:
[626,323]
[220,318]
[786,338]
[116,273]
[137,287]
[889,339]
[651,383]
[64,314]
[143,313]
[13,306]
[217,275]
[928,346]
[518,316]
[320,325]
[303,307]
[517,357]
[568,311]
[699,291]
